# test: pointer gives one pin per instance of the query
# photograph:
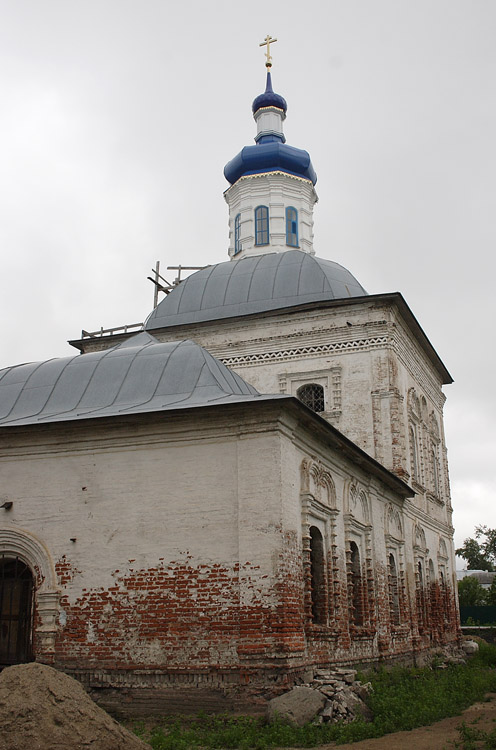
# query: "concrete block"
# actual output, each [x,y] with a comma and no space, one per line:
[298,707]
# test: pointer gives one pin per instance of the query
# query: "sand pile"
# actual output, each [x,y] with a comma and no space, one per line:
[42,709]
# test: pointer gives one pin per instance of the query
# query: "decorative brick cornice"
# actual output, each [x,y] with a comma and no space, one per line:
[303,351]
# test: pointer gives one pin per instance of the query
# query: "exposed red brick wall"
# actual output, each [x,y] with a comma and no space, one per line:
[65,571]
[226,627]
[182,616]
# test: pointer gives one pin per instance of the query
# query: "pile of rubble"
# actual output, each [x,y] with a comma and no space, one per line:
[332,695]
[336,695]
[345,696]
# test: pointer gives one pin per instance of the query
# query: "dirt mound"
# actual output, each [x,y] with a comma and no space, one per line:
[42,709]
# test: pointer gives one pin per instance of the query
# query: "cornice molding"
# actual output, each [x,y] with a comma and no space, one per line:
[303,351]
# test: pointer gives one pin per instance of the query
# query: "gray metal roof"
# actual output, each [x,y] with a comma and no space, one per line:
[139,375]
[144,375]
[253,285]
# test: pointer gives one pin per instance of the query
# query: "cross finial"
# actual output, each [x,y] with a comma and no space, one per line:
[266,43]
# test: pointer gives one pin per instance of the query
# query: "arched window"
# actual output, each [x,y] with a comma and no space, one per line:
[394,597]
[291,226]
[433,602]
[445,595]
[237,234]
[312,395]
[261,225]
[16,610]
[432,573]
[423,409]
[356,585]
[317,576]
[421,603]
[414,453]
[435,471]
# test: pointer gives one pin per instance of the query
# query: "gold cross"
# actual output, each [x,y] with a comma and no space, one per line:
[266,43]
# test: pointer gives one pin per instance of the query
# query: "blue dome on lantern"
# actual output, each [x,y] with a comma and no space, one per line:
[269,98]
[271,153]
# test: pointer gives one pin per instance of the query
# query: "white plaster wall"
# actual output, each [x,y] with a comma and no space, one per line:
[277,191]
[134,500]
[370,345]
[216,487]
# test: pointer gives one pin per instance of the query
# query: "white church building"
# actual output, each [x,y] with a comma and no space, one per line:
[252,487]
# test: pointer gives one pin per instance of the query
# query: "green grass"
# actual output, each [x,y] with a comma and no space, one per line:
[401,700]
[472,738]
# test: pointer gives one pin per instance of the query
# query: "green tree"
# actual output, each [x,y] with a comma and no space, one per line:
[480,552]
[491,593]
[470,592]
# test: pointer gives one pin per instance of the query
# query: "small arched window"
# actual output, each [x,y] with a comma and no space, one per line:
[261,225]
[291,226]
[237,234]
[312,395]
[317,576]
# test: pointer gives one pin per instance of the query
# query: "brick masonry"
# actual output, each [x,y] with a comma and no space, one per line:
[175,556]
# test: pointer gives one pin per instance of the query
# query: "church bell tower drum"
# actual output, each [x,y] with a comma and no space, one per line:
[272,191]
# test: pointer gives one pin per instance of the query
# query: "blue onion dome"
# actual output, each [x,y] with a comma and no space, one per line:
[271,153]
[270,157]
[269,98]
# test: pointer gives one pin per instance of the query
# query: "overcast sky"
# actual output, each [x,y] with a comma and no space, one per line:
[118,116]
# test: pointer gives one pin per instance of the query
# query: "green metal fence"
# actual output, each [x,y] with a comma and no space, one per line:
[483,615]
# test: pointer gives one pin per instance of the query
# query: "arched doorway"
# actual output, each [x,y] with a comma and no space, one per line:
[16,611]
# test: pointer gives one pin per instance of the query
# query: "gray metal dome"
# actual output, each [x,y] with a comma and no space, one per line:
[139,375]
[252,285]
